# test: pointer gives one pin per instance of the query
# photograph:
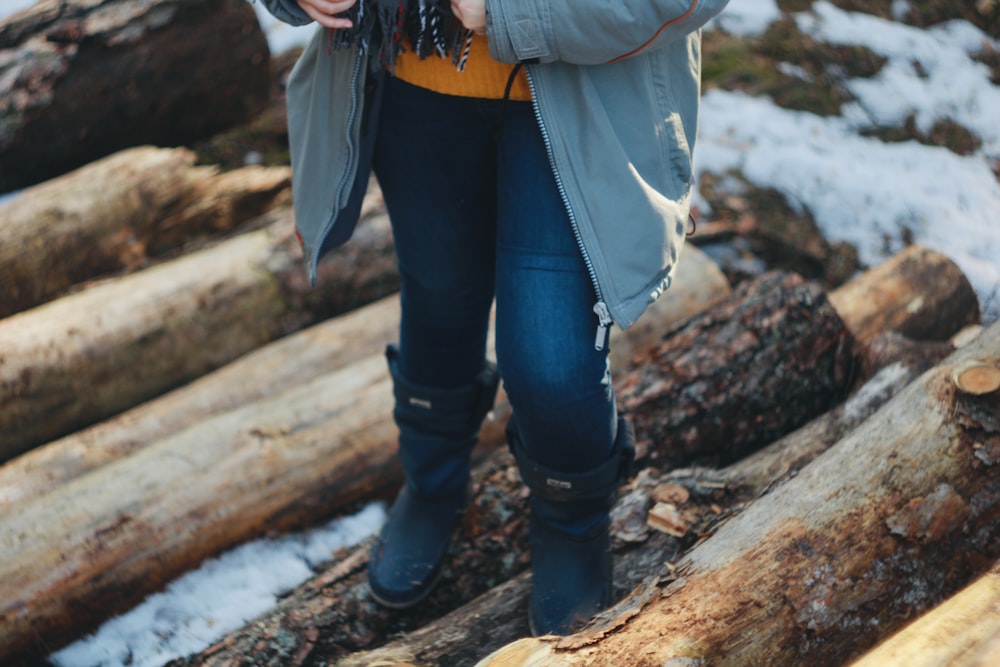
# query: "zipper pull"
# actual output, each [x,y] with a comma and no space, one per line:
[604,321]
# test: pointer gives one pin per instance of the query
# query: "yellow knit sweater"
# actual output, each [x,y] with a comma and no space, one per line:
[482,76]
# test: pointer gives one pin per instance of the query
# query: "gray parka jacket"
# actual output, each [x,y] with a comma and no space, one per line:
[615,86]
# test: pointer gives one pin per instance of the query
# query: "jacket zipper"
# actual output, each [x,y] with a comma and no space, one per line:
[600,308]
[345,179]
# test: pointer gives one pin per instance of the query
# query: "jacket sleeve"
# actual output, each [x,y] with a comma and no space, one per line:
[287,11]
[590,32]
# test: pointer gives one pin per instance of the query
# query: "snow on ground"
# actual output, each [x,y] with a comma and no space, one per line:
[858,190]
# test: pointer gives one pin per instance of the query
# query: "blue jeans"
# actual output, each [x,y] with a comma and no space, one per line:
[476,215]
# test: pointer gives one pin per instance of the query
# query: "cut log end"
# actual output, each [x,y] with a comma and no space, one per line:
[976,377]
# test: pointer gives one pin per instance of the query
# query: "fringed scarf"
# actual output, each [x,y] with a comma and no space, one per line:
[380,25]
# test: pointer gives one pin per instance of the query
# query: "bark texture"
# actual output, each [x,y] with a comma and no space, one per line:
[711,393]
[115,214]
[82,79]
[894,518]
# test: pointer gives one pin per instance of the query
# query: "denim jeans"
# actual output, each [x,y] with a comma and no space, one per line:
[476,215]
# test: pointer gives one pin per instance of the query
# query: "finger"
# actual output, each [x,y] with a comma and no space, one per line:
[324,12]
[325,19]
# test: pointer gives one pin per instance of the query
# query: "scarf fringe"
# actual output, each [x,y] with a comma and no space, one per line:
[379,27]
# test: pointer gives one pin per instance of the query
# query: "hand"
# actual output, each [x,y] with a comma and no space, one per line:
[324,11]
[472,14]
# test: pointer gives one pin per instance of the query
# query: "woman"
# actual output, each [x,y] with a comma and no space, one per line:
[538,153]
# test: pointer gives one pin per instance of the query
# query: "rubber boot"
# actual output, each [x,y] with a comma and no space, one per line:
[438,429]
[571,573]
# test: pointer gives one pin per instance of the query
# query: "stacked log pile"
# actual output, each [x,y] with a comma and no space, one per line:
[814,468]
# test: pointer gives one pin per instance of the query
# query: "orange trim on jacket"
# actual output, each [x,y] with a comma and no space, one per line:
[694,3]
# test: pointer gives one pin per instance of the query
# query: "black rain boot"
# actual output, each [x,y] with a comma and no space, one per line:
[571,574]
[438,429]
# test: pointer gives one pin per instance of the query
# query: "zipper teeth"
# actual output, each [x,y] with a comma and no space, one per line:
[562,190]
[344,179]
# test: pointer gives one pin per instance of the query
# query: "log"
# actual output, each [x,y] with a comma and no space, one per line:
[271,369]
[95,353]
[894,518]
[711,394]
[963,631]
[275,464]
[903,295]
[918,293]
[115,214]
[292,360]
[80,80]
[498,616]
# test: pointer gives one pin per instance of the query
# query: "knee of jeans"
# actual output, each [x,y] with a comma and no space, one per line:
[555,383]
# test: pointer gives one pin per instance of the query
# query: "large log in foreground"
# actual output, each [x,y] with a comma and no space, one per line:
[97,352]
[895,517]
[321,620]
[83,79]
[115,213]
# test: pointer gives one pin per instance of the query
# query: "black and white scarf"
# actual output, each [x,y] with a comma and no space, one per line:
[379,28]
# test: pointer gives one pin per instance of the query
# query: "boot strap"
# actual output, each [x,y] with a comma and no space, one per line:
[471,401]
[597,483]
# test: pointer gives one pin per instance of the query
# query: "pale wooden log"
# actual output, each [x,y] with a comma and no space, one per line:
[114,214]
[82,79]
[918,292]
[963,631]
[271,369]
[295,359]
[898,515]
[94,353]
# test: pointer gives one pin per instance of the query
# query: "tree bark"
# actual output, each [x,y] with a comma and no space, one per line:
[94,353]
[117,213]
[84,79]
[322,620]
[711,394]
[963,631]
[894,518]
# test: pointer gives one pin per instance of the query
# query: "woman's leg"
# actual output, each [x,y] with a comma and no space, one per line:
[434,159]
[565,431]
